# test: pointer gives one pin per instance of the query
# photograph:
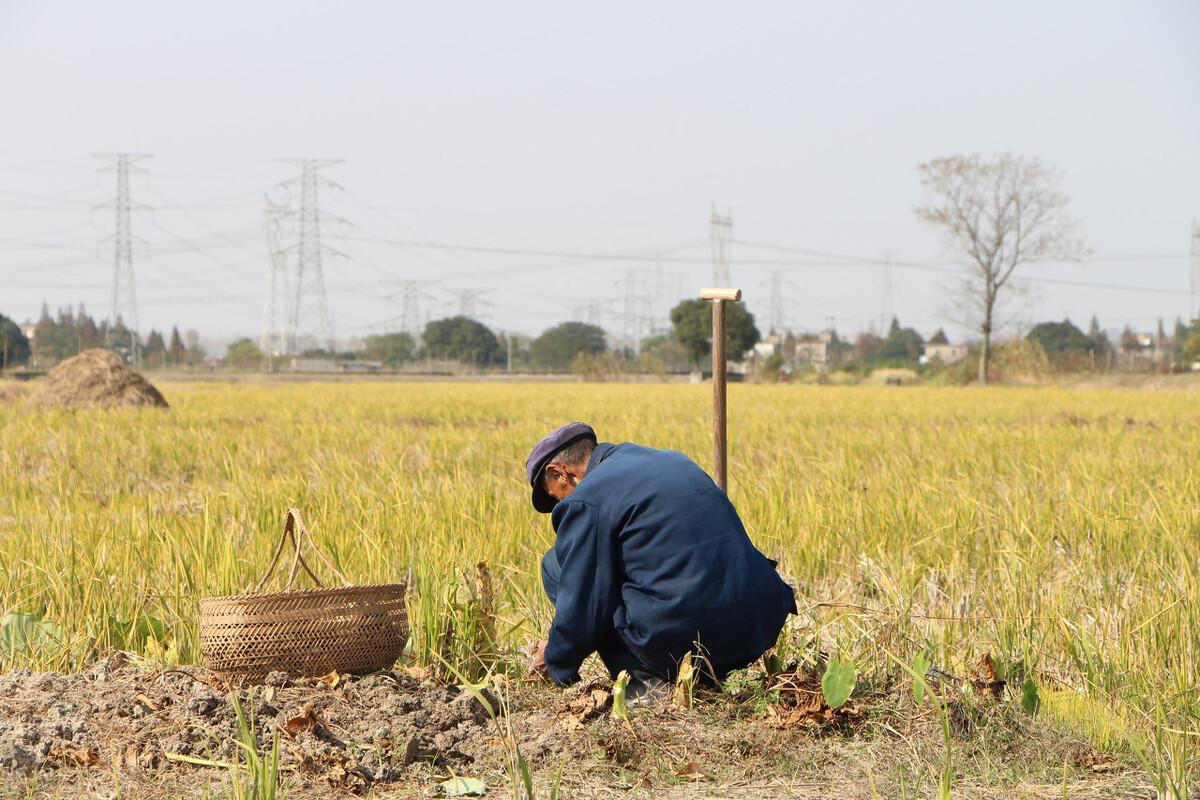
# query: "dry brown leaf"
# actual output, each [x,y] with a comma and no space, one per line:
[684,683]
[420,673]
[592,701]
[1095,760]
[690,771]
[332,679]
[345,773]
[987,680]
[79,756]
[147,702]
[306,720]
[801,717]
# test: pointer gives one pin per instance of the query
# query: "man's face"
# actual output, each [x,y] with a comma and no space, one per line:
[560,480]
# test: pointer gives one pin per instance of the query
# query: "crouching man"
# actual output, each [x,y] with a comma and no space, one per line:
[650,562]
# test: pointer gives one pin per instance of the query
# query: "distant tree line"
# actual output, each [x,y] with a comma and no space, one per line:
[567,347]
[72,331]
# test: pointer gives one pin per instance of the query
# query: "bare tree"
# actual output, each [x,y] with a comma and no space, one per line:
[1000,213]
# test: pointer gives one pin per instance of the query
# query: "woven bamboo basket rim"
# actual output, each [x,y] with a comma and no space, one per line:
[324,591]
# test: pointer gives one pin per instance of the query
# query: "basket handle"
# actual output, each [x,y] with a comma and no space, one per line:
[290,524]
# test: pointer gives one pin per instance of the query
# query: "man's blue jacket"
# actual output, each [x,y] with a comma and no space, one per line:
[649,546]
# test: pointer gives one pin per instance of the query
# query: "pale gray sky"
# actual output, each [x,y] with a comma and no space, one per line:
[559,127]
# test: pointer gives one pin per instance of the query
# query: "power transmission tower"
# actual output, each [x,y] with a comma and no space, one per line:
[309,320]
[595,313]
[124,292]
[410,308]
[777,302]
[630,317]
[720,230]
[277,336]
[466,301]
[886,311]
[1194,311]
[656,312]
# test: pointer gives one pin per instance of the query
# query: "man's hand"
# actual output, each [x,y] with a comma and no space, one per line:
[537,662]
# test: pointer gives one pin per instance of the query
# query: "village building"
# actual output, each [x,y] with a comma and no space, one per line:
[938,348]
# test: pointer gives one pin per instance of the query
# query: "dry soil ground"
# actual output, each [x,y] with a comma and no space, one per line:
[118,730]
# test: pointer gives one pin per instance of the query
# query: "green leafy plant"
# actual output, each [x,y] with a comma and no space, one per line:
[920,669]
[25,636]
[1029,697]
[620,705]
[837,683]
[134,633]
[463,787]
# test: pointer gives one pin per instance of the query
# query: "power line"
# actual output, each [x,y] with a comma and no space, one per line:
[944,267]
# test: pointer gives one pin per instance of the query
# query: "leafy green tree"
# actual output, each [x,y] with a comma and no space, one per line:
[1191,347]
[123,339]
[244,354]
[195,353]
[1179,338]
[557,347]
[393,349]
[901,344]
[155,349]
[176,352]
[462,339]
[87,332]
[692,322]
[661,354]
[867,347]
[14,346]
[1060,337]
[1102,348]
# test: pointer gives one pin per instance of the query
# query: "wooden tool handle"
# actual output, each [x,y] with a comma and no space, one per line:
[719,297]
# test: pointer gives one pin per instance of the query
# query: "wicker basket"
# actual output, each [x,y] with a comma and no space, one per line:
[306,633]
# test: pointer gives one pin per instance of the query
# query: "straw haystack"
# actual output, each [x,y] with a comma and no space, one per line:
[96,378]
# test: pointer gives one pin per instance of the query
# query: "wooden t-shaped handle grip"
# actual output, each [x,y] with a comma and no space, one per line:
[721,294]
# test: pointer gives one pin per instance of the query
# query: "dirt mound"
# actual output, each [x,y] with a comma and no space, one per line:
[358,732]
[96,378]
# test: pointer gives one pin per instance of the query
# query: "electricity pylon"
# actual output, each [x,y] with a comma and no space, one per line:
[124,290]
